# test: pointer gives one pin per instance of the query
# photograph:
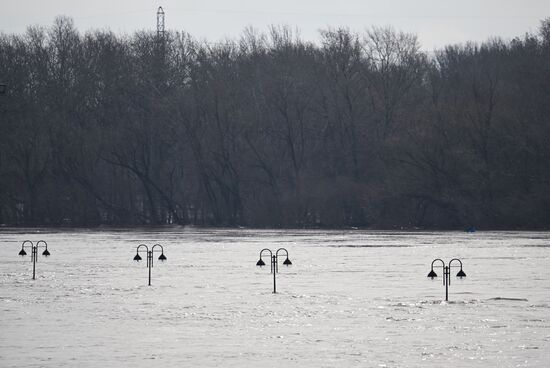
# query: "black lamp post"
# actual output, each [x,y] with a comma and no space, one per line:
[161,258]
[447,273]
[34,252]
[274,263]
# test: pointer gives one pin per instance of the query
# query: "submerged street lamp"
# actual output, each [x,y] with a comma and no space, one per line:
[447,273]
[149,256]
[34,252]
[274,263]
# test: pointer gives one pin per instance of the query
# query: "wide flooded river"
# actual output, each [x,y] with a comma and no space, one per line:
[350,299]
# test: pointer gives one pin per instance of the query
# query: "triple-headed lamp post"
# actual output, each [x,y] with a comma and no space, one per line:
[34,252]
[161,258]
[447,273]
[274,263]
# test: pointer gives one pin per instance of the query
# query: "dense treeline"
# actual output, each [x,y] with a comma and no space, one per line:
[269,130]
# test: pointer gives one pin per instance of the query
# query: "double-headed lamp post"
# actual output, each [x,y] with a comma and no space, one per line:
[447,273]
[145,248]
[34,252]
[274,263]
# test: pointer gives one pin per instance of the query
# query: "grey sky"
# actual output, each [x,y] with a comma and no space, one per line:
[436,22]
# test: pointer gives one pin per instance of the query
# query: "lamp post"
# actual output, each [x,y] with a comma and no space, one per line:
[34,252]
[138,258]
[274,263]
[447,273]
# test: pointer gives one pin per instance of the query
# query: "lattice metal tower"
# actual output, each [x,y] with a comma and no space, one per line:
[160,23]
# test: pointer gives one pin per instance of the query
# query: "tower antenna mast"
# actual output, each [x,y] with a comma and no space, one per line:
[160,23]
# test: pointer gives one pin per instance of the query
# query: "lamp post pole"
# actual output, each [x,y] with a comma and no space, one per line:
[274,266]
[34,252]
[274,263]
[447,273]
[149,256]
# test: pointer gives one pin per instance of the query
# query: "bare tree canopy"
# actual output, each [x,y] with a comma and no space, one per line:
[361,130]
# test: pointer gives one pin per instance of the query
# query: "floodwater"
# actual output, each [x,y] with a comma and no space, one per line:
[350,299]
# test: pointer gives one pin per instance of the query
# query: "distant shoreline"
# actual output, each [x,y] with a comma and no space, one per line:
[205,227]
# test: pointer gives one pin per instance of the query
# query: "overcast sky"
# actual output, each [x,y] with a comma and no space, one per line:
[436,22]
